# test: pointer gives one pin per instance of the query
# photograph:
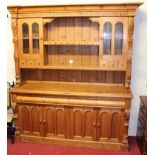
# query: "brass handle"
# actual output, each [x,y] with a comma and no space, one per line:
[44,121]
[40,121]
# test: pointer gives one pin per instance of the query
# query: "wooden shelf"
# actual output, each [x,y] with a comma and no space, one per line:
[70,43]
[72,89]
[74,67]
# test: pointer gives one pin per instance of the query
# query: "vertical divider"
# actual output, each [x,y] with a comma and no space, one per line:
[100,41]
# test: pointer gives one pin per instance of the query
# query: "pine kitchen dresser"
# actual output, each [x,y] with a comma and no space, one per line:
[73,73]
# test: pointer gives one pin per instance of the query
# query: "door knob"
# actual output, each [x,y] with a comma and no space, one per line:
[98,125]
[94,124]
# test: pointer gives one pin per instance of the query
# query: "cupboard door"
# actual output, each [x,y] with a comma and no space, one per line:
[30,34]
[24,119]
[103,124]
[55,123]
[114,35]
[36,120]
[82,123]
[30,119]
[109,125]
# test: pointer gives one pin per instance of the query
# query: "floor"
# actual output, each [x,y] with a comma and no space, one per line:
[48,149]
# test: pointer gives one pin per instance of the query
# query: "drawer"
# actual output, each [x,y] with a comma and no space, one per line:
[140,131]
[143,108]
[112,64]
[30,63]
[105,64]
[38,63]
[122,65]
[142,118]
[22,63]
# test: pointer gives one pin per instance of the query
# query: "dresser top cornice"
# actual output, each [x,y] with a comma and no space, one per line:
[113,7]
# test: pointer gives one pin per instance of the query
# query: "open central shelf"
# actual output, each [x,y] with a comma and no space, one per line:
[73,89]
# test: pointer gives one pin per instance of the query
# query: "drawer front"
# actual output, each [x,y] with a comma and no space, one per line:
[142,118]
[143,109]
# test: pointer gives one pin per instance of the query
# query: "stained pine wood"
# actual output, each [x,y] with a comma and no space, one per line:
[69,90]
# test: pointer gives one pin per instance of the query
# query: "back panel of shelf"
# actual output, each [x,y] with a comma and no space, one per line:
[104,77]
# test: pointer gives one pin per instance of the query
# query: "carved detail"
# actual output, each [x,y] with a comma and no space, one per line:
[47,20]
[129,53]
[131,13]
[127,114]
[18,80]
[14,25]
[94,19]
[14,107]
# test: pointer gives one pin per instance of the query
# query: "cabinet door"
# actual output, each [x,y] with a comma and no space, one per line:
[114,37]
[24,119]
[36,120]
[55,123]
[82,123]
[30,119]
[30,34]
[109,125]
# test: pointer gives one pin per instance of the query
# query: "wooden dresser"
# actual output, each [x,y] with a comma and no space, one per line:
[142,126]
[73,72]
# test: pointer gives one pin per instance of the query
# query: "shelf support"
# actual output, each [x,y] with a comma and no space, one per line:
[94,19]
[47,20]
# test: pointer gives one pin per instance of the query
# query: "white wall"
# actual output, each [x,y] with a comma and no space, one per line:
[138,80]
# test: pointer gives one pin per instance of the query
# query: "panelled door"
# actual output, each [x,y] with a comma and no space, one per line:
[55,121]
[82,123]
[109,125]
[30,119]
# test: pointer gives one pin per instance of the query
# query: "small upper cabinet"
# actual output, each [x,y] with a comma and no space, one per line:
[114,37]
[30,34]
[25,38]
[118,38]
[107,30]
[35,37]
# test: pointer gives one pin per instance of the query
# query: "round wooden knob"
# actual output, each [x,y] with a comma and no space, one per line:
[94,124]
[98,125]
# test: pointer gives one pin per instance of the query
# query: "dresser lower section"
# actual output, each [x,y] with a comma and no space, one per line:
[77,121]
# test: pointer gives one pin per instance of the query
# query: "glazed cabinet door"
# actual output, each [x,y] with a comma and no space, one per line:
[113,41]
[82,123]
[55,121]
[30,34]
[30,119]
[109,125]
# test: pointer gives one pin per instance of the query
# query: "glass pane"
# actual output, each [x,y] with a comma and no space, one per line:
[118,38]
[25,33]
[25,46]
[35,36]
[25,30]
[107,38]
[35,30]
[35,45]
